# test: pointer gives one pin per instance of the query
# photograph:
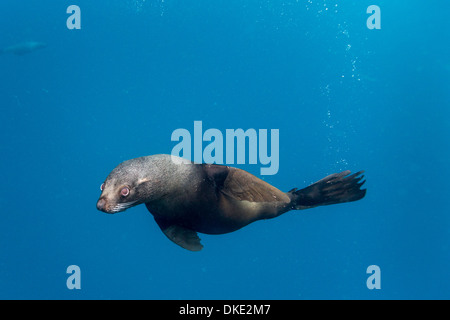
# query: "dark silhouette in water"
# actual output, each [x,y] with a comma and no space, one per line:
[24,47]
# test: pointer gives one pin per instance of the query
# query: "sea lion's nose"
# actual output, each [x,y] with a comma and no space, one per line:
[101,203]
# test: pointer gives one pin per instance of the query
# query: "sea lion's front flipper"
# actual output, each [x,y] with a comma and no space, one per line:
[243,186]
[185,238]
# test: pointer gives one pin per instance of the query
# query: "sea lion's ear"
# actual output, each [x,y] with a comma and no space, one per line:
[185,238]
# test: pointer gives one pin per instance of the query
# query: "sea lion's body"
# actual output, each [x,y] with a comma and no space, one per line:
[186,198]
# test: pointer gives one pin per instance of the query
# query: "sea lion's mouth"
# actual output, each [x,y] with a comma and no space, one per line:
[121,207]
[102,205]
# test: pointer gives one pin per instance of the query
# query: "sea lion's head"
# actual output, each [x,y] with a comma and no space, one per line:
[131,183]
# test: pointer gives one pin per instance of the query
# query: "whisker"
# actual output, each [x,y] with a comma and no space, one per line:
[123,206]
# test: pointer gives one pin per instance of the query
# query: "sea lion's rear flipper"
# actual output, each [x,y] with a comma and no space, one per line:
[185,238]
[335,188]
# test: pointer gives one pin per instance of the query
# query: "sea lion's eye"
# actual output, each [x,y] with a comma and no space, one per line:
[125,191]
[102,186]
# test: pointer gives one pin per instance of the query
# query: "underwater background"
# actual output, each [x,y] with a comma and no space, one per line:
[343,96]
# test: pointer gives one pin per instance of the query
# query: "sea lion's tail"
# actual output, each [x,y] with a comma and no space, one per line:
[335,188]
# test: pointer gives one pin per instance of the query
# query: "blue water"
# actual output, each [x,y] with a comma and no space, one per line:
[341,95]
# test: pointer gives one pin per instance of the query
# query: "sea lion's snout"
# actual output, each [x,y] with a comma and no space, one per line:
[110,206]
[101,205]
[106,206]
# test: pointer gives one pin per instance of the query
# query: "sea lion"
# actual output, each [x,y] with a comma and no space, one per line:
[24,47]
[186,198]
